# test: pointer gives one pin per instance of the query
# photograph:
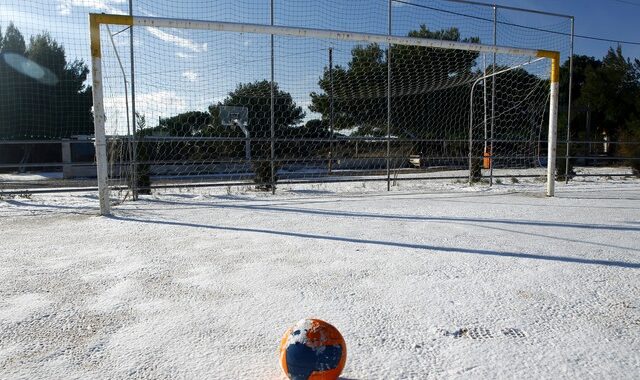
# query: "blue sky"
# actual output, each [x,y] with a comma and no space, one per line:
[184,70]
[602,18]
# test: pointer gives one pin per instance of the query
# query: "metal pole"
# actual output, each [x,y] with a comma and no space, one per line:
[126,100]
[471,139]
[389,104]
[124,79]
[493,96]
[553,124]
[331,114]
[566,164]
[134,147]
[484,90]
[273,114]
[99,117]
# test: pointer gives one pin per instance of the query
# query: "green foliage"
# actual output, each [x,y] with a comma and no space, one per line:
[581,65]
[256,97]
[186,124]
[360,89]
[630,137]
[13,41]
[38,109]
[606,102]
[610,92]
[562,171]
[143,155]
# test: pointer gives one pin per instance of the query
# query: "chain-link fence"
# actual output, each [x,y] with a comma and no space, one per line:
[195,107]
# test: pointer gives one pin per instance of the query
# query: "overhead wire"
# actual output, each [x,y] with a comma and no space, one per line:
[582,36]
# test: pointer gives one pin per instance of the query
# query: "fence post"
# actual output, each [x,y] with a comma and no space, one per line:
[331,114]
[566,165]
[389,103]
[67,170]
[273,115]
[134,146]
[492,148]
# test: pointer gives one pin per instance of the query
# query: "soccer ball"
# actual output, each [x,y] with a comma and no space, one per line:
[312,350]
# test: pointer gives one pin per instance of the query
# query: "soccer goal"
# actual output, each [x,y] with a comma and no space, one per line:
[234,103]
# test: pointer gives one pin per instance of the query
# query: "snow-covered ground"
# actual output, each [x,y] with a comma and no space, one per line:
[40,176]
[430,280]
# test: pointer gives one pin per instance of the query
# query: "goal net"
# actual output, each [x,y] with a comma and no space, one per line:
[220,103]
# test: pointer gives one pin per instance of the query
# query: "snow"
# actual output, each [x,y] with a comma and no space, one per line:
[303,325]
[430,280]
[40,176]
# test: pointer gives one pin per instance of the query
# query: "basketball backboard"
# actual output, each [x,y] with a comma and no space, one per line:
[234,116]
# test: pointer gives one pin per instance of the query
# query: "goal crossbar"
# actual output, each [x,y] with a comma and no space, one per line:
[218,26]
[95,20]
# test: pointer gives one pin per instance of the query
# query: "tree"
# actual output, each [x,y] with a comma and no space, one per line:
[429,93]
[186,124]
[605,98]
[580,115]
[424,85]
[12,95]
[256,97]
[13,41]
[359,92]
[63,109]
[610,92]
[57,105]
[630,136]
[581,64]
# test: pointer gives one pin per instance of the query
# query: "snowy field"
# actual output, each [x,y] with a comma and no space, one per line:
[430,280]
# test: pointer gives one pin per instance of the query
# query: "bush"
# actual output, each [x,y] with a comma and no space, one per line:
[476,170]
[561,164]
[262,178]
[631,150]
[143,170]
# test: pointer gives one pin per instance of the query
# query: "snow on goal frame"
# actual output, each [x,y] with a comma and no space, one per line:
[96,20]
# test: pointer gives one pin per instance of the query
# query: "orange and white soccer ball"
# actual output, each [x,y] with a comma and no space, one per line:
[312,350]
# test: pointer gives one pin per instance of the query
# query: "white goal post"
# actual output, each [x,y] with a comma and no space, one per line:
[105,19]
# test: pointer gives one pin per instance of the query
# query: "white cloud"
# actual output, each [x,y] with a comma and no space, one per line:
[147,13]
[152,105]
[177,40]
[190,75]
[107,6]
[184,55]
